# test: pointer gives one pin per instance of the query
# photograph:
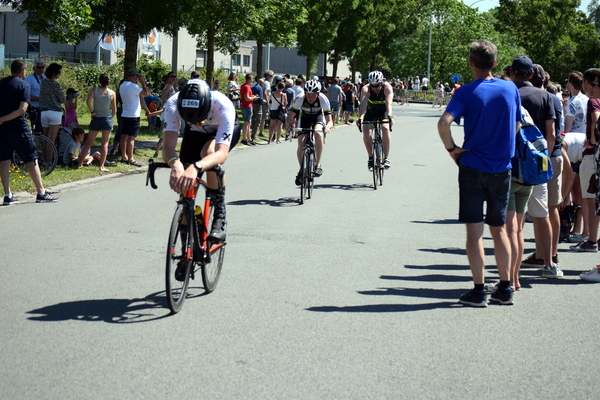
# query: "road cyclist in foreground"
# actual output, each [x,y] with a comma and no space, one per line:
[211,131]
[376,103]
[312,108]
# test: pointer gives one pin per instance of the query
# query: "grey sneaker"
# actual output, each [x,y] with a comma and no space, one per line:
[45,198]
[386,163]
[551,272]
[585,247]
[576,238]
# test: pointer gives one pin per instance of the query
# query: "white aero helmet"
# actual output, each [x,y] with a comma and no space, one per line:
[312,87]
[375,77]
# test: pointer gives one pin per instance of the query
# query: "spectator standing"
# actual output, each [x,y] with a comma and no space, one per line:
[34,80]
[15,134]
[233,89]
[278,100]
[349,103]
[540,106]
[133,97]
[336,97]
[102,103]
[51,100]
[247,99]
[168,90]
[71,108]
[289,92]
[266,96]
[257,109]
[491,109]
[297,88]
[587,170]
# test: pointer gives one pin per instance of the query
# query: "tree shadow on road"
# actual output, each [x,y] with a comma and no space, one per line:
[115,311]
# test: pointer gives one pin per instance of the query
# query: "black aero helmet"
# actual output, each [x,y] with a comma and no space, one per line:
[193,103]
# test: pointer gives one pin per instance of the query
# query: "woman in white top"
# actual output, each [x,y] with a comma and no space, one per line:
[233,89]
[103,111]
[278,99]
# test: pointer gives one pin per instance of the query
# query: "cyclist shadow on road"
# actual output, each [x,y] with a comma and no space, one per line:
[116,311]
[282,202]
[356,186]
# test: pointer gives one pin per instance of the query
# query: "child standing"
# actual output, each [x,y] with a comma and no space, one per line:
[71,107]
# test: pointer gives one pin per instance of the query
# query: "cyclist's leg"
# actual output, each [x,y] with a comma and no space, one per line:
[301,142]
[386,139]
[318,143]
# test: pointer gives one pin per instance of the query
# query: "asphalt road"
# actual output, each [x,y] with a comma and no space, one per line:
[352,295]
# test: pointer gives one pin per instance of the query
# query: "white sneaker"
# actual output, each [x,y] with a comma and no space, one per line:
[551,272]
[593,275]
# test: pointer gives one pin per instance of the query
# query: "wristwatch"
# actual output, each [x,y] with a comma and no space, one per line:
[198,166]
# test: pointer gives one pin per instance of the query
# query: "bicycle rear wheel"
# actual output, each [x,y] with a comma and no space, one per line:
[179,259]
[46,153]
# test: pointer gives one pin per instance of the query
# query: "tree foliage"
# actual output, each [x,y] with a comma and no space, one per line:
[274,23]
[553,33]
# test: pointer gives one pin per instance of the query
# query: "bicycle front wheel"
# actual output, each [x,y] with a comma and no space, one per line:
[179,259]
[311,175]
[303,169]
[47,156]
[376,163]
[213,260]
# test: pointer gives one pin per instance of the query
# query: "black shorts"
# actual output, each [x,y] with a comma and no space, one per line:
[371,116]
[23,143]
[193,142]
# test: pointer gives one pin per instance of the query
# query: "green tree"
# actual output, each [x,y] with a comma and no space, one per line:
[554,34]
[69,21]
[274,24]
[219,25]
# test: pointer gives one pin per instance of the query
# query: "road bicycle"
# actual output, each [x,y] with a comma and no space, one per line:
[46,152]
[378,167]
[308,165]
[189,248]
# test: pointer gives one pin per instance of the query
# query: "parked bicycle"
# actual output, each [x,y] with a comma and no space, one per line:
[378,167]
[47,156]
[189,249]
[308,164]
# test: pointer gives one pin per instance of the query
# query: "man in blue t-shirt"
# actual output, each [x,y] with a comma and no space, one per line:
[257,105]
[492,111]
[15,134]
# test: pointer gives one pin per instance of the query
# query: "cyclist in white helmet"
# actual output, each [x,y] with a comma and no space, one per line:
[376,102]
[312,108]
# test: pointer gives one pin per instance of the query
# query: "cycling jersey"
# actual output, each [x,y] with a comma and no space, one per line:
[310,114]
[220,121]
[376,102]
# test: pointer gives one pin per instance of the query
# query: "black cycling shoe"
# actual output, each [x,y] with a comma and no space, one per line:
[298,180]
[370,164]
[180,271]
[218,231]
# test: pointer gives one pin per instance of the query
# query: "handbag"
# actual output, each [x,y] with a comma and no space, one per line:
[593,185]
[282,114]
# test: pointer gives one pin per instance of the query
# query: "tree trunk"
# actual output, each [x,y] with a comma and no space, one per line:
[210,57]
[132,35]
[353,67]
[325,66]
[336,60]
[309,60]
[259,57]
